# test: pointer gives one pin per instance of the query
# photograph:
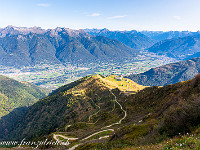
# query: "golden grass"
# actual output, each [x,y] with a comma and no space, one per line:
[123,85]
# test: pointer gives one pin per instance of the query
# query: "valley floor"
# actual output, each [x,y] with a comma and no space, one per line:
[54,76]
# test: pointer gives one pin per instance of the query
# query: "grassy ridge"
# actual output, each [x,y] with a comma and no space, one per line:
[72,104]
[154,114]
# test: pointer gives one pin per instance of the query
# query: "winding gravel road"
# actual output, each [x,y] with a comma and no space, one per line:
[125,113]
[96,134]
[72,139]
[64,137]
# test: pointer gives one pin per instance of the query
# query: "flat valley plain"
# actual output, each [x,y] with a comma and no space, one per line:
[54,76]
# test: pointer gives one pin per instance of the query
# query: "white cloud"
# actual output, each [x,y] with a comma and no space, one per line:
[43,5]
[117,17]
[94,15]
[177,17]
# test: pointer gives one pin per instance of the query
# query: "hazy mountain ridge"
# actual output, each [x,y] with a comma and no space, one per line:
[13,30]
[20,46]
[174,44]
[161,35]
[168,74]
[133,39]
[179,48]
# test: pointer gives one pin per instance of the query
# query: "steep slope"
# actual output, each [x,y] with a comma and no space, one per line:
[155,114]
[70,105]
[160,35]
[15,94]
[178,48]
[31,46]
[93,115]
[78,46]
[133,39]
[168,74]
[23,50]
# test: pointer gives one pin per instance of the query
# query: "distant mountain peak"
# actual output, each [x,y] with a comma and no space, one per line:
[70,32]
[104,30]
[132,38]
[13,30]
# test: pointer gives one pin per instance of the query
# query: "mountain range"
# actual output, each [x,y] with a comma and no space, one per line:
[179,48]
[160,106]
[133,39]
[161,35]
[30,46]
[97,112]
[174,44]
[20,46]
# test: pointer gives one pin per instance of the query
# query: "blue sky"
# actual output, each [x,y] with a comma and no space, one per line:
[153,15]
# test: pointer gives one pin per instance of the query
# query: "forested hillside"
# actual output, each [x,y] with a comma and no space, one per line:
[99,112]
[168,74]
[15,94]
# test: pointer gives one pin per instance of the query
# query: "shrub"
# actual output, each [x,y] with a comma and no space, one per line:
[182,118]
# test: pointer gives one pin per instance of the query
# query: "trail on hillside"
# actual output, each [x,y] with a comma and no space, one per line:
[96,134]
[91,135]
[55,136]
[94,113]
[125,113]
